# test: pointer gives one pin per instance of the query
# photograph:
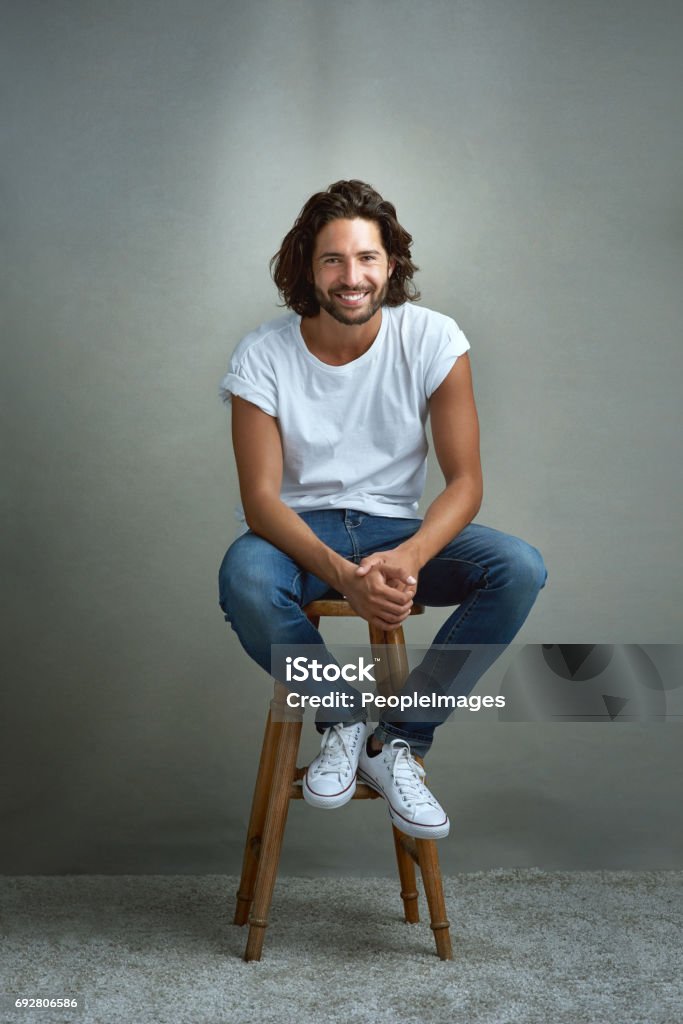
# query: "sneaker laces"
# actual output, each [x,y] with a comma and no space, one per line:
[335,756]
[408,775]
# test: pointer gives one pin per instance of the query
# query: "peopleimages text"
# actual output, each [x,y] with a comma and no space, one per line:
[403,701]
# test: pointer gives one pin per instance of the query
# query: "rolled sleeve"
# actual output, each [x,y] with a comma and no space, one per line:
[253,378]
[453,344]
[234,384]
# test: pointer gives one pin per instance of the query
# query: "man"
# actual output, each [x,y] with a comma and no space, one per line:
[329,406]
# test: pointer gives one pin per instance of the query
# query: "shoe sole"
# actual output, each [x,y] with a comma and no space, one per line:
[327,802]
[409,827]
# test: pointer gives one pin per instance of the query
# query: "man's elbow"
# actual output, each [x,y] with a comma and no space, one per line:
[477,494]
[253,518]
[470,488]
[475,505]
[256,508]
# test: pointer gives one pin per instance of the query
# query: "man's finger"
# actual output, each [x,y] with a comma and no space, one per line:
[390,622]
[397,598]
[367,564]
[388,627]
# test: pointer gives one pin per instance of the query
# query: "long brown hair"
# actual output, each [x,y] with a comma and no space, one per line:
[291,264]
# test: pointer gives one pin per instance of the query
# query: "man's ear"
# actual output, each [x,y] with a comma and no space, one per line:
[392,264]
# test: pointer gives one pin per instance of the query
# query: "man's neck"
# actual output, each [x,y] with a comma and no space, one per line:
[335,343]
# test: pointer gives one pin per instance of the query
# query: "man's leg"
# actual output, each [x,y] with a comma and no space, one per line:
[262,594]
[494,578]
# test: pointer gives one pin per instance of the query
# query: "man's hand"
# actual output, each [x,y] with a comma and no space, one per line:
[376,599]
[399,566]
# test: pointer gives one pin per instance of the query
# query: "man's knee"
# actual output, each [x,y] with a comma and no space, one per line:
[240,579]
[521,566]
[252,575]
[529,567]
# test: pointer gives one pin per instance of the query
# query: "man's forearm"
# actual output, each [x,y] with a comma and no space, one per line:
[271,519]
[448,514]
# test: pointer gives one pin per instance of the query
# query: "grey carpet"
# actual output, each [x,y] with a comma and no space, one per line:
[531,947]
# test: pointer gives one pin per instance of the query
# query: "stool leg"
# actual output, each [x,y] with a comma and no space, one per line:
[431,877]
[259,806]
[390,647]
[406,873]
[392,669]
[287,736]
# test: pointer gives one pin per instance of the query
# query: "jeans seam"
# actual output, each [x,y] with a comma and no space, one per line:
[295,579]
[354,545]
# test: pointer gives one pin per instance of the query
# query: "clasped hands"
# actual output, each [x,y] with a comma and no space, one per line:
[381,589]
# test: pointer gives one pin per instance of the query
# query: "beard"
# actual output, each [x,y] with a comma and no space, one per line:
[350,317]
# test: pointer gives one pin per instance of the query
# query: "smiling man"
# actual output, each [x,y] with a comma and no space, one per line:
[364,259]
[329,410]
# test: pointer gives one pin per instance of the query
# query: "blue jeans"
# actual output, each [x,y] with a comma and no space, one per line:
[492,577]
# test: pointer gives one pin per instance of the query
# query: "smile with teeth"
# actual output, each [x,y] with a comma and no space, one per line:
[351,298]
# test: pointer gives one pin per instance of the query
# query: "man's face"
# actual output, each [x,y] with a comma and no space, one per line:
[351,270]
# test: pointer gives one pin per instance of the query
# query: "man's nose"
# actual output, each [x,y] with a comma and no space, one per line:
[350,272]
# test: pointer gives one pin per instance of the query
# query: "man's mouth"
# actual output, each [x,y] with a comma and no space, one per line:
[351,298]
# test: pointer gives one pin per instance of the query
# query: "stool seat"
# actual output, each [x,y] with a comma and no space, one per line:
[340,607]
[279,780]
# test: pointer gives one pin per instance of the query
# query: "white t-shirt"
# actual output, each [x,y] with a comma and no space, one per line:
[353,436]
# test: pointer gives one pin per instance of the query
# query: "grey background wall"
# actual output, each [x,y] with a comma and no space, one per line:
[155,154]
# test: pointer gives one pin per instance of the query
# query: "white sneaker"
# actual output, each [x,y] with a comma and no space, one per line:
[395,774]
[330,779]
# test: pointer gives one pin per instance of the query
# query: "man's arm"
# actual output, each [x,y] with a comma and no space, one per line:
[455,431]
[258,453]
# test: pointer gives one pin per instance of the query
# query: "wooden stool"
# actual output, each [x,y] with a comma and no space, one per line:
[279,781]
